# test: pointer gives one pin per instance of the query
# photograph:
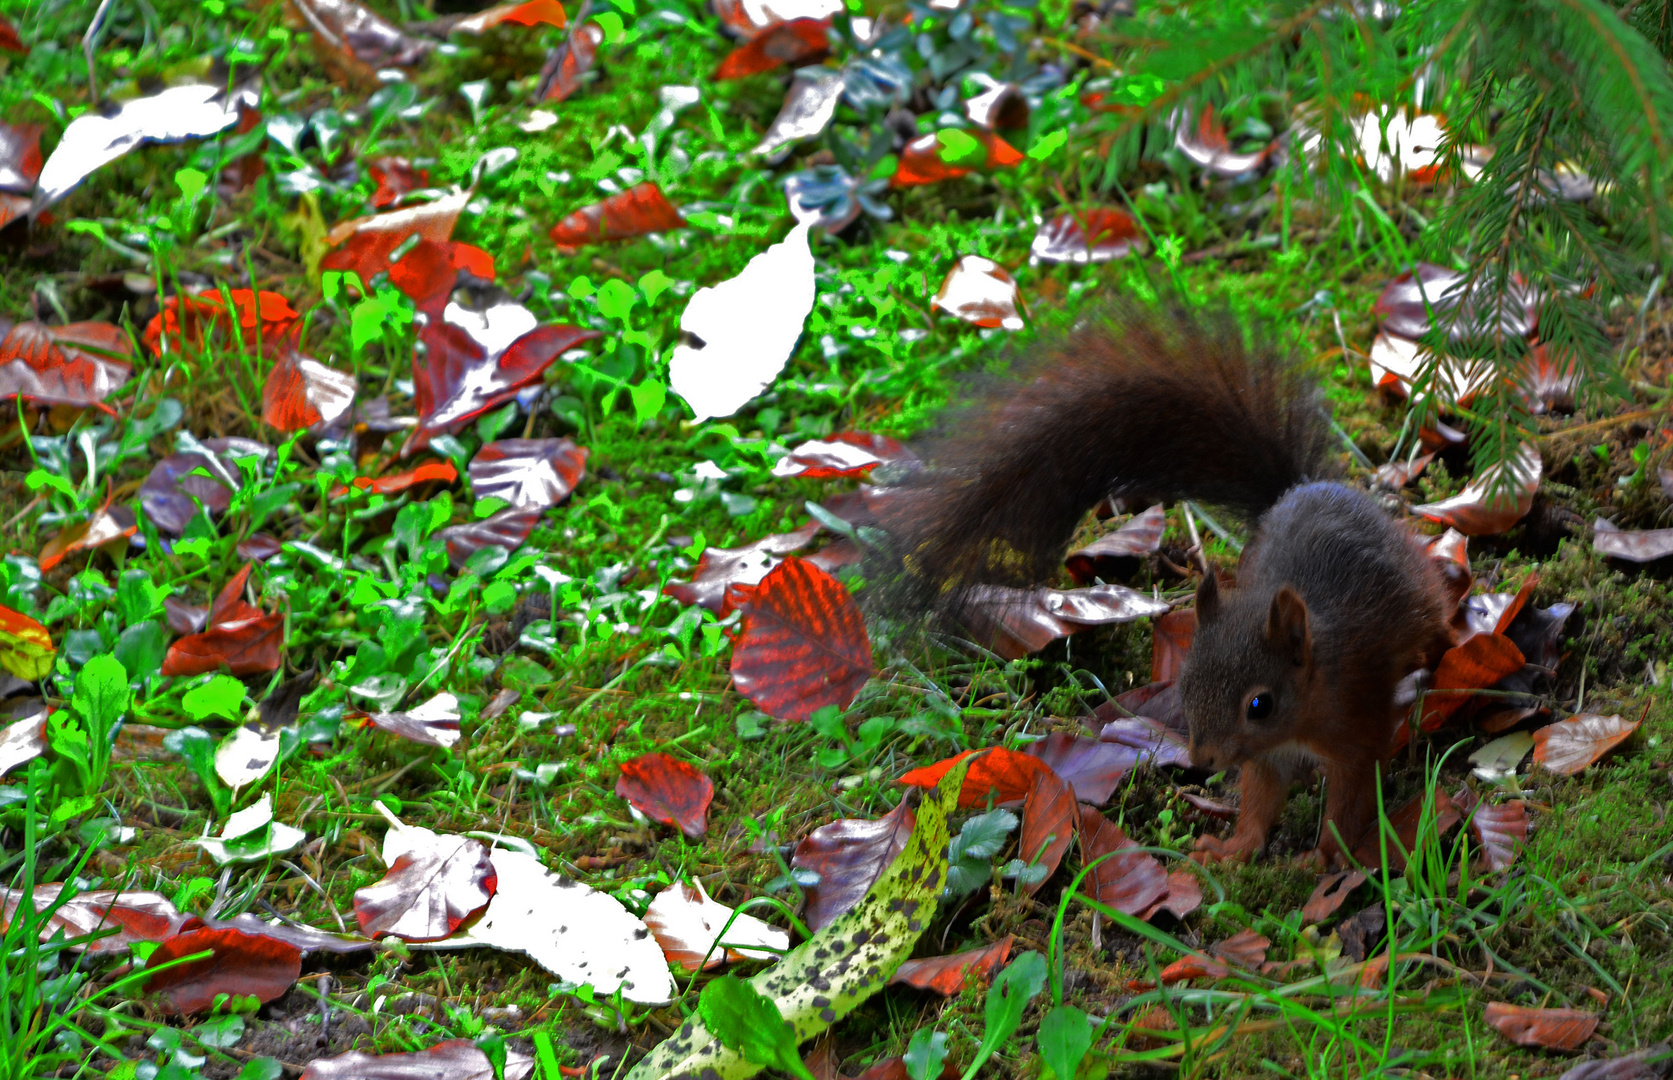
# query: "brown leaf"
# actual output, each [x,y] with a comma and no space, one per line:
[395,177]
[1091,766]
[1477,511]
[1150,740]
[640,209]
[242,965]
[506,529]
[1569,746]
[1246,949]
[1131,881]
[845,454]
[530,474]
[1477,664]
[434,883]
[794,42]
[1397,474]
[1332,891]
[690,926]
[561,76]
[922,161]
[306,938]
[356,40]
[1502,830]
[1007,775]
[455,1059]
[980,292]
[1015,622]
[718,569]
[134,916]
[527,13]
[1172,643]
[9,39]
[849,855]
[78,364]
[1184,896]
[1646,1064]
[1202,140]
[252,646]
[1048,825]
[668,790]
[1405,822]
[106,526]
[20,157]
[803,644]
[1117,554]
[1631,545]
[1545,1029]
[948,975]
[1098,234]
[434,723]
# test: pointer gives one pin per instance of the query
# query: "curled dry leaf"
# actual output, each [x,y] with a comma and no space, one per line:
[803,643]
[692,928]
[240,637]
[1332,891]
[980,291]
[455,1059]
[530,474]
[1007,775]
[848,855]
[1571,745]
[949,975]
[22,741]
[668,790]
[1128,881]
[356,40]
[1479,510]
[1049,816]
[577,933]
[1546,1029]
[809,105]
[1202,140]
[107,526]
[1117,554]
[301,393]
[794,42]
[124,917]
[1244,949]
[845,454]
[1632,545]
[640,209]
[718,569]
[744,329]
[1480,662]
[506,529]
[434,723]
[561,76]
[1397,474]
[1091,766]
[1184,896]
[242,965]
[431,472]
[1502,830]
[433,884]
[77,364]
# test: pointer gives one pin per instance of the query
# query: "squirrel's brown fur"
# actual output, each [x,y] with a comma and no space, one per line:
[1333,605]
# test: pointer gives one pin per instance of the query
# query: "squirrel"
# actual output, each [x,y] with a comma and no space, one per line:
[1294,668]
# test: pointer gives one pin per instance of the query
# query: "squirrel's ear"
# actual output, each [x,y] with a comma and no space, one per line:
[1208,598]
[1286,626]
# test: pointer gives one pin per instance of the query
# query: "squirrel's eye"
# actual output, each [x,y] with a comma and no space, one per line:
[1260,706]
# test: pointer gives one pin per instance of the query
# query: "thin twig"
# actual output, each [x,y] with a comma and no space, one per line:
[87,50]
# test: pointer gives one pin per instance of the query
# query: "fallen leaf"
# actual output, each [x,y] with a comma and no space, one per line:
[924,160]
[744,329]
[668,790]
[1184,896]
[1151,740]
[1502,829]
[640,209]
[1006,775]
[252,646]
[809,106]
[1499,759]
[794,42]
[25,646]
[690,927]
[1131,881]
[22,741]
[980,292]
[251,835]
[949,975]
[1476,511]
[455,1059]
[1410,145]
[803,643]
[845,454]
[433,884]
[577,933]
[746,18]
[506,529]
[1398,363]
[364,245]
[1477,664]
[106,526]
[77,364]
[1048,825]
[1551,378]
[1646,1064]
[466,372]
[357,41]
[1405,822]
[1098,234]
[431,269]
[1117,554]
[718,569]
[1013,623]
[561,76]
[434,723]
[174,490]
[394,177]
[431,472]
[101,135]
[1406,303]
[133,916]
[1632,545]
[244,317]
[1202,140]
[1545,1029]
[1091,766]
[9,39]
[1397,474]
[246,755]
[526,13]
[1244,949]
[849,855]
[1570,746]
[243,965]
[530,474]
[1172,643]
[1331,893]
[301,393]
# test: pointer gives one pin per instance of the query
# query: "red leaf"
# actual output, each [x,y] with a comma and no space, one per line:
[229,604]
[1171,644]
[530,474]
[458,380]
[845,454]
[1095,235]
[506,529]
[1545,1029]
[1245,949]
[78,364]
[185,323]
[561,76]
[1091,766]
[1331,892]
[1117,554]
[306,938]
[529,13]
[106,526]
[20,156]
[796,42]
[1475,665]
[1007,774]
[368,242]
[394,176]
[1405,822]
[718,569]
[1048,824]
[948,975]
[1130,882]
[1571,745]
[429,472]
[455,1059]
[247,647]
[1208,147]
[1184,896]
[135,916]
[9,39]
[1502,830]
[803,645]
[301,392]
[434,884]
[640,209]
[848,855]
[1015,622]
[431,269]
[668,790]
[921,160]
[242,965]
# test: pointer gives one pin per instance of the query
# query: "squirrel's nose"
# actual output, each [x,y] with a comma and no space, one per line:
[1201,756]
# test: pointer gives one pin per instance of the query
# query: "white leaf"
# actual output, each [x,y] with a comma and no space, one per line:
[688,924]
[193,111]
[245,756]
[21,741]
[748,326]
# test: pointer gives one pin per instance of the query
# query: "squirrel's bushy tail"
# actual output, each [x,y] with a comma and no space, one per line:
[1132,402]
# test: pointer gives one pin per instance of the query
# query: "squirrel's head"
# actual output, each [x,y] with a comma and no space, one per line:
[1246,683]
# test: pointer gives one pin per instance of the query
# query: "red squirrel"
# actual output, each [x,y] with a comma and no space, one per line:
[1294,668]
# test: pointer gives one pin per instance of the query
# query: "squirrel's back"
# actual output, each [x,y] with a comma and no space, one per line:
[1132,402]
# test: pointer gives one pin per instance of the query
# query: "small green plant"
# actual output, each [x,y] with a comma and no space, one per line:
[81,736]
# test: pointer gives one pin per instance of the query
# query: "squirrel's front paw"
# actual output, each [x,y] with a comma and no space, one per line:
[1212,849]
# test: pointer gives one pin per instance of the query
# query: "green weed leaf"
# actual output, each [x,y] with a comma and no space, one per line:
[744,1020]
[1065,1037]
[925,1053]
[221,696]
[1016,986]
